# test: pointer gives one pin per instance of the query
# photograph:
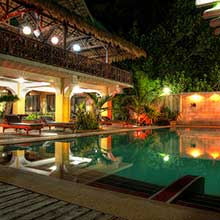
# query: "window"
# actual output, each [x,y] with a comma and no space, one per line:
[32,103]
[51,103]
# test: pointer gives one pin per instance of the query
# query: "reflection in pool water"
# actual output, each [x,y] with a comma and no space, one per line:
[158,157]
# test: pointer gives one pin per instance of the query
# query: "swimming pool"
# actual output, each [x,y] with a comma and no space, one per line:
[156,157]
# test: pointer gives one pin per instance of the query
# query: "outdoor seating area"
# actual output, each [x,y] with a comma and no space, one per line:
[15,122]
[49,122]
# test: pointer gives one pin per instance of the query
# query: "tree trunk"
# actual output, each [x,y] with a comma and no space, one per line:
[8,109]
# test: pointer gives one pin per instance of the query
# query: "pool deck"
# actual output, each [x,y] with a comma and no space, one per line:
[102,204]
[103,201]
[13,138]
[18,203]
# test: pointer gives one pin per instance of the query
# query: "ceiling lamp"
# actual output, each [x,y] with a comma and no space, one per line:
[54,40]
[76,47]
[26,30]
[36,33]
[21,80]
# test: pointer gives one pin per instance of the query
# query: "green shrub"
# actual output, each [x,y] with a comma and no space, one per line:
[85,120]
[169,114]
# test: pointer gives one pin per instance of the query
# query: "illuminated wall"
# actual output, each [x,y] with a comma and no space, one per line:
[200,108]
[200,144]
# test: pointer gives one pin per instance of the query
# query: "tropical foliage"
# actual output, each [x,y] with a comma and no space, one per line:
[98,103]
[6,104]
[141,98]
[182,51]
[85,120]
[8,98]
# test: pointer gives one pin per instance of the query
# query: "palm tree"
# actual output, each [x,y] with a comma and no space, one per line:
[144,93]
[8,100]
[98,103]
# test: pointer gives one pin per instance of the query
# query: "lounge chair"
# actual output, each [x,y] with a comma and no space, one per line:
[107,121]
[49,122]
[14,121]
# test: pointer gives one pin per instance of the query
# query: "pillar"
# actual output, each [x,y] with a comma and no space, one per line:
[19,106]
[59,107]
[62,150]
[61,158]
[62,104]
[66,108]
[43,101]
[109,114]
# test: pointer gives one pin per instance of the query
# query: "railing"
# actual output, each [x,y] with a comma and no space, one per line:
[27,48]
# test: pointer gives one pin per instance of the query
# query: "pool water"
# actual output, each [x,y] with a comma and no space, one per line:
[158,157]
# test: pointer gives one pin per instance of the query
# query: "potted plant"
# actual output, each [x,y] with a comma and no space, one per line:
[32,118]
[173,115]
[170,115]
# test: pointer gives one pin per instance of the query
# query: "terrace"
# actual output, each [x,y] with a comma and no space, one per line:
[24,47]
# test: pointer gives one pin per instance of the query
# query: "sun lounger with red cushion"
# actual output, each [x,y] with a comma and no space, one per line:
[49,122]
[13,121]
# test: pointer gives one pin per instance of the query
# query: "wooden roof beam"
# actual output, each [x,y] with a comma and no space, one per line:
[91,48]
[74,39]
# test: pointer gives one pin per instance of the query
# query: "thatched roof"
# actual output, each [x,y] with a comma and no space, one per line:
[49,17]
[78,7]
[62,13]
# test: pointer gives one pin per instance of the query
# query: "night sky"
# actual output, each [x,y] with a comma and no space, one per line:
[118,16]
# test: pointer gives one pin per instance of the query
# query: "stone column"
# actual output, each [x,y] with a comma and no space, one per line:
[62,106]
[19,106]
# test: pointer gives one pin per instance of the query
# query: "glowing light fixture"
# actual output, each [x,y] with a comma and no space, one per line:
[166,158]
[36,33]
[214,155]
[215,98]
[76,89]
[26,30]
[54,40]
[195,153]
[76,47]
[166,90]
[20,80]
[196,98]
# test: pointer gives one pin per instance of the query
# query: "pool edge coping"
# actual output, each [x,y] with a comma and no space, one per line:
[74,135]
[114,203]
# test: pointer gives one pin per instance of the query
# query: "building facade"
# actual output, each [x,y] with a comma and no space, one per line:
[51,52]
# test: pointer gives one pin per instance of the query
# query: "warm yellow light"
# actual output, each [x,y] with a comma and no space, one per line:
[89,108]
[26,30]
[166,91]
[166,158]
[195,153]
[215,98]
[54,40]
[214,155]
[21,80]
[196,98]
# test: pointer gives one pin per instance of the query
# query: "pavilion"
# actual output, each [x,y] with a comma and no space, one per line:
[212,12]
[52,50]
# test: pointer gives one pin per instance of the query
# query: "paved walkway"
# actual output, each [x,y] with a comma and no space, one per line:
[21,204]
[11,137]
